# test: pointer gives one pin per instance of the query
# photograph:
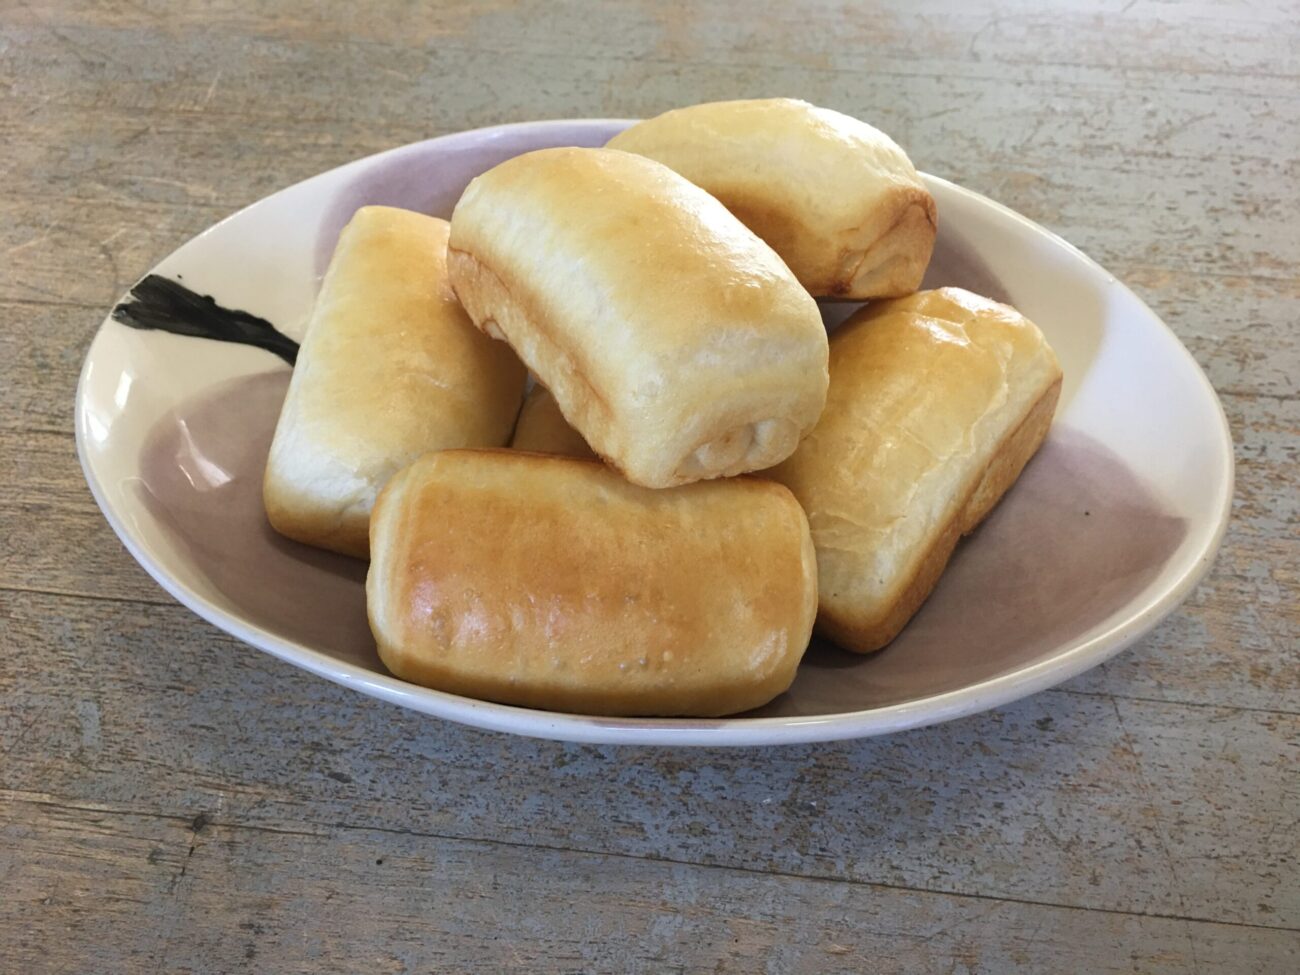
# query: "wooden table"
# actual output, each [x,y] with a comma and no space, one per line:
[172,800]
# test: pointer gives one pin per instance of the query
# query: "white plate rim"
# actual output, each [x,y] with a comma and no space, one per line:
[765,731]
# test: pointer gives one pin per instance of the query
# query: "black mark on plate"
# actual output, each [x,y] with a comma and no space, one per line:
[168,306]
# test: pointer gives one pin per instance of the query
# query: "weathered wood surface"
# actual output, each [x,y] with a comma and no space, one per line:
[172,800]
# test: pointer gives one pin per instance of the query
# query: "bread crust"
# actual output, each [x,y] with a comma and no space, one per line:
[937,402]
[551,582]
[852,631]
[836,198]
[390,367]
[673,339]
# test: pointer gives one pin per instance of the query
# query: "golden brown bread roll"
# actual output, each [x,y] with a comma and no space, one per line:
[937,401]
[837,199]
[675,341]
[551,582]
[390,367]
[542,428]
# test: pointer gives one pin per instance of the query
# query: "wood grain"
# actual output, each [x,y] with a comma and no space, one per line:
[1057,800]
[173,800]
[228,897]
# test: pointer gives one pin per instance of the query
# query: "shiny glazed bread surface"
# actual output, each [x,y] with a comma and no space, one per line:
[552,582]
[936,403]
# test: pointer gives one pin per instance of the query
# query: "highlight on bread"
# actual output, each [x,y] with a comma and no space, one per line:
[390,368]
[674,340]
[836,198]
[551,582]
[937,401]
[542,428]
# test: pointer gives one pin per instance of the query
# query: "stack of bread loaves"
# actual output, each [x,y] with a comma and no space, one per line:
[661,291]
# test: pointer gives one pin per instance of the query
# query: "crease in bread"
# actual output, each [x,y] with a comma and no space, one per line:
[542,428]
[937,401]
[835,197]
[674,340]
[552,582]
[390,367]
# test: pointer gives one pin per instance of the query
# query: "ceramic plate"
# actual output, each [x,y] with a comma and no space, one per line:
[1106,532]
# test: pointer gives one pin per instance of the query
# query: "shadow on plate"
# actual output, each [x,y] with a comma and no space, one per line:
[1073,541]
[201,474]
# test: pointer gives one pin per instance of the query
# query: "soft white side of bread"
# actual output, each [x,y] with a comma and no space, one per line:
[390,367]
[674,340]
[836,198]
[552,582]
[936,403]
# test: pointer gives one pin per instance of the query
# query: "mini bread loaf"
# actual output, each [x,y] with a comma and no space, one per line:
[836,198]
[390,368]
[937,401]
[543,429]
[552,582]
[674,340]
